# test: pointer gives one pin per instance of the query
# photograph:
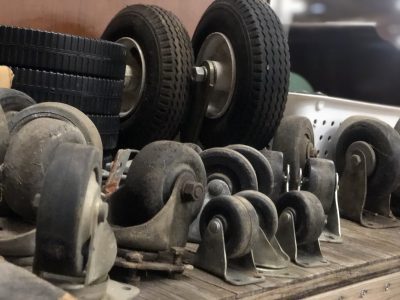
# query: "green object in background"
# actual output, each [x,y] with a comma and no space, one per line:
[299,84]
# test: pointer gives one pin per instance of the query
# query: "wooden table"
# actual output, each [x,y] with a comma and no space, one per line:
[364,266]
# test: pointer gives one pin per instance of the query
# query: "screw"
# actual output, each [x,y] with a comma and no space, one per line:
[363,293]
[355,160]
[387,286]
[192,191]
[214,226]
[215,188]
[199,74]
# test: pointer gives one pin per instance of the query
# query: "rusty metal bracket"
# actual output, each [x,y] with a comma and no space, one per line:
[211,257]
[306,255]
[169,228]
[355,203]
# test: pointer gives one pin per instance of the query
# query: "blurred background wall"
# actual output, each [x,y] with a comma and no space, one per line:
[88,17]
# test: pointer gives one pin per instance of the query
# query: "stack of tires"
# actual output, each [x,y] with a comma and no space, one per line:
[82,72]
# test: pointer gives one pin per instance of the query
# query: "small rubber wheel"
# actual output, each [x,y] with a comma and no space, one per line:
[295,139]
[58,111]
[309,214]
[386,144]
[275,159]
[195,147]
[266,211]
[160,58]
[320,179]
[13,101]
[265,176]
[56,52]
[67,205]
[151,179]
[261,56]
[240,223]
[230,166]
[28,156]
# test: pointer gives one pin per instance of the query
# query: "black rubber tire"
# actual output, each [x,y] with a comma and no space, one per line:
[88,94]
[49,51]
[240,222]
[386,144]
[169,58]
[262,76]
[28,156]
[231,167]
[58,111]
[295,135]
[320,180]
[151,179]
[266,211]
[13,101]
[309,214]
[108,127]
[60,213]
[265,176]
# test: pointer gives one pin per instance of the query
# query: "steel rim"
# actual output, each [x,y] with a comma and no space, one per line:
[219,51]
[135,75]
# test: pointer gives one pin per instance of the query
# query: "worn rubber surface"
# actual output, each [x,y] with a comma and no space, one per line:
[13,101]
[240,222]
[262,75]
[88,94]
[108,127]
[49,51]
[61,223]
[309,214]
[169,57]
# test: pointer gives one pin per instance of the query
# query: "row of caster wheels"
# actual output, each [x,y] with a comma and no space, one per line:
[122,81]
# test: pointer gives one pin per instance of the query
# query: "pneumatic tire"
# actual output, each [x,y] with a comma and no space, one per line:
[262,72]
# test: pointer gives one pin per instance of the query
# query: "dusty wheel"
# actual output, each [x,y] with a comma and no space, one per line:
[295,139]
[28,156]
[69,204]
[239,220]
[159,64]
[50,51]
[231,167]
[309,214]
[151,179]
[265,209]
[58,111]
[320,180]
[13,101]
[259,65]
[265,176]
[386,144]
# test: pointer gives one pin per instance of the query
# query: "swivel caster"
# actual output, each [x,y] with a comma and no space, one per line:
[75,245]
[229,227]
[367,159]
[228,172]
[163,194]
[267,252]
[301,221]
[320,178]
[295,139]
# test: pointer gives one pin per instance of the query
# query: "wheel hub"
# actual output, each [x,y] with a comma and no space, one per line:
[135,75]
[218,56]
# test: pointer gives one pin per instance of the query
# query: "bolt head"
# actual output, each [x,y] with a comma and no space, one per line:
[214,226]
[355,160]
[199,74]
[192,191]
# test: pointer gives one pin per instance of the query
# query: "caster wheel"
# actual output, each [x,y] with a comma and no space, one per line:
[265,176]
[69,211]
[245,44]
[157,77]
[295,139]
[308,214]
[320,180]
[265,209]
[151,179]
[239,220]
[58,111]
[230,167]
[385,142]
[195,147]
